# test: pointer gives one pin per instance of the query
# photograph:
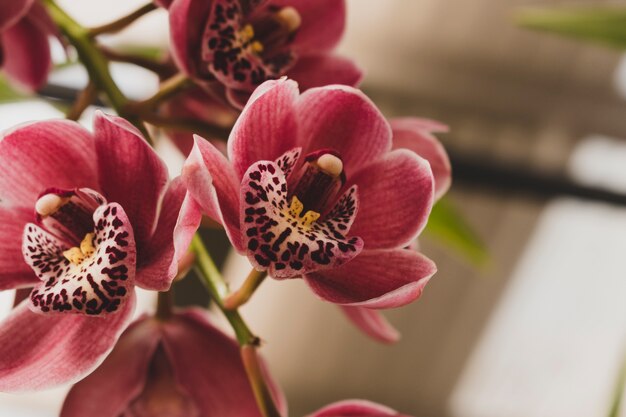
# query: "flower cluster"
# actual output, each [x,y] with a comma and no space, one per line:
[312,182]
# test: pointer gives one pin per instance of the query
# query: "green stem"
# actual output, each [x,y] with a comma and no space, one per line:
[96,64]
[249,343]
[168,88]
[214,283]
[122,23]
[244,293]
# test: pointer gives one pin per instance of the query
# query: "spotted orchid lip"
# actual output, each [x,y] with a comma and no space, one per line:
[282,238]
[95,284]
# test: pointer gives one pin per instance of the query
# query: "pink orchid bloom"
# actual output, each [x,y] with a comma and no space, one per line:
[416,135]
[356,408]
[235,45]
[84,218]
[313,189]
[181,367]
[24,47]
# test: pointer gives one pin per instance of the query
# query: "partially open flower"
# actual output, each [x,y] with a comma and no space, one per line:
[356,408]
[239,44]
[84,218]
[313,189]
[24,48]
[182,367]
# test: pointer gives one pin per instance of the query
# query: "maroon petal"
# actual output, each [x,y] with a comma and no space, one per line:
[323,23]
[39,351]
[212,182]
[356,408]
[98,284]
[284,240]
[13,10]
[187,20]
[375,279]
[372,323]
[46,154]
[130,173]
[324,69]
[121,377]
[26,53]
[14,272]
[157,261]
[267,127]
[404,182]
[344,119]
[207,365]
[415,134]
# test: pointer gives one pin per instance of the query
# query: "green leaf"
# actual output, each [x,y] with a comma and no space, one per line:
[8,93]
[448,226]
[596,23]
[620,386]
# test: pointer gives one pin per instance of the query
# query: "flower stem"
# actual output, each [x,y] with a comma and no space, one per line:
[214,283]
[249,343]
[242,295]
[96,64]
[161,68]
[84,99]
[165,305]
[261,391]
[168,88]
[188,125]
[123,22]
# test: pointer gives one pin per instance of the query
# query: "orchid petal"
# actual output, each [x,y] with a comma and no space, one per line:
[344,119]
[26,53]
[415,134]
[187,20]
[157,261]
[44,154]
[55,349]
[212,182]
[13,10]
[355,408]
[267,127]
[324,69]
[375,279]
[14,272]
[131,173]
[323,23]
[372,323]
[121,377]
[396,196]
[279,239]
[207,364]
[99,283]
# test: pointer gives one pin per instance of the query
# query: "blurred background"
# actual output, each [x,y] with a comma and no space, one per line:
[537,135]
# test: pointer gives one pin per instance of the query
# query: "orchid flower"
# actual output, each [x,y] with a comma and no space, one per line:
[84,218]
[235,45]
[356,408]
[313,189]
[180,367]
[416,135]
[24,48]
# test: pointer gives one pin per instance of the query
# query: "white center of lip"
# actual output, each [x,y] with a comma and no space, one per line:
[330,164]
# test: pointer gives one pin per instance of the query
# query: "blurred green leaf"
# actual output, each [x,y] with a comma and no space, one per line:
[596,23]
[8,93]
[620,386]
[448,226]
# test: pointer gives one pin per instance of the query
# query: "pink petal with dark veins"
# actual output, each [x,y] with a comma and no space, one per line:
[375,279]
[108,391]
[56,349]
[372,323]
[131,173]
